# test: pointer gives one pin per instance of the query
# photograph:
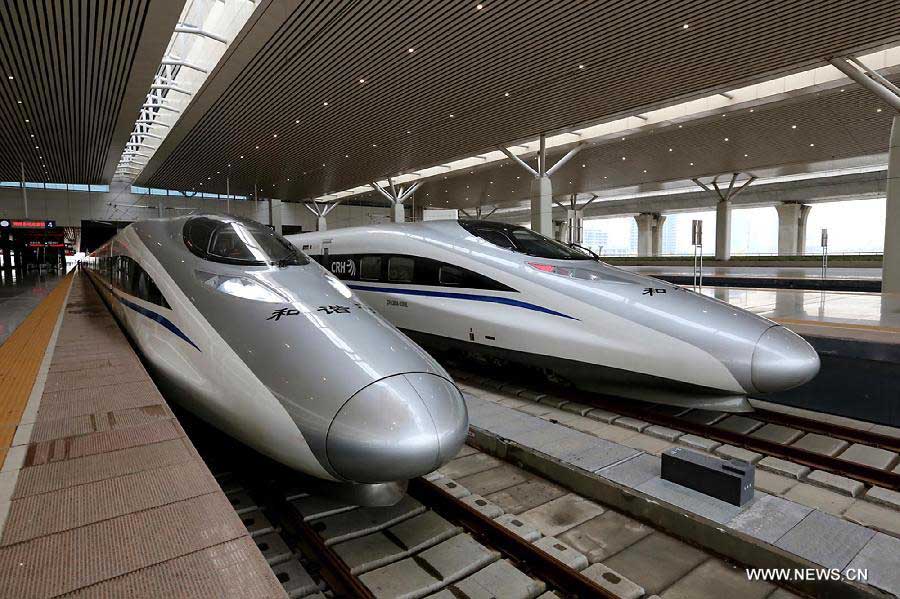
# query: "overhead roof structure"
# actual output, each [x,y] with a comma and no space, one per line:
[317,97]
[73,76]
[818,128]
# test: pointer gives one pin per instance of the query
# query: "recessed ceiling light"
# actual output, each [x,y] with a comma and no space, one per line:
[670,149]
[726,139]
[361,80]
[645,170]
[451,116]
[374,146]
[242,157]
[274,135]
[679,126]
[745,155]
[581,66]
[411,50]
[793,126]
[583,166]
[19,101]
[751,110]
[812,145]
[9,77]
[323,164]
[27,121]
[479,6]
[623,158]
[257,147]
[346,155]
[506,95]
[876,110]
[685,26]
[518,177]
[692,164]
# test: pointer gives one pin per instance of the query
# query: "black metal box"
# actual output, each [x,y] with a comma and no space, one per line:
[728,480]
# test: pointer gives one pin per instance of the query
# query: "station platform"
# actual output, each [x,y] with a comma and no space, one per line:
[20,293]
[101,491]
[857,336]
[837,278]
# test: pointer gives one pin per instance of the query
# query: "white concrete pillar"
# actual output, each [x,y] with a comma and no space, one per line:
[561,230]
[275,214]
[645,233]
[891,267]
[321,225]
[792,228]
[542,206]
[576,226]
[657,231]
[723,230]
[398,213]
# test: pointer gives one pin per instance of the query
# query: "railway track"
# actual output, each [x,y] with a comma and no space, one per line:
[317,545]
[661,416]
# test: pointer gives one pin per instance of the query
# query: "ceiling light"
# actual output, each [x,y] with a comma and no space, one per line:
[451,116]
[645,170]
[274,135]
[679,126]
[242,157]
[257,147]
[374,146]
[361,80]
[745,155]
[411,50]
[581,66]
[408,132]
[726,139]
[793,126]
[692,164]
[10,77]
[506,95]
[478,7]
[346,155]
[812,145]
[876,110]
[685,26]
[19,101]
[323,104]
[751,110]
[583,166]
[670,149]
[623,158]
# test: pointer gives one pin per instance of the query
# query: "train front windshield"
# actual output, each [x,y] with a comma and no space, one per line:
[522,240]
[238,241]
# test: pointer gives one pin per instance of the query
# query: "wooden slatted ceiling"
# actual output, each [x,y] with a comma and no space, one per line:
[635,54]
[840,125]
[81,70]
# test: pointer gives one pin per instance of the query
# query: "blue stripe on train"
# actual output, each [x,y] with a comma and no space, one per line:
[155,316]
[463,296]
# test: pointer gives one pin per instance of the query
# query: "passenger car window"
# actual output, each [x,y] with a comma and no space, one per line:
[450,275]
[400,270]
[370,268]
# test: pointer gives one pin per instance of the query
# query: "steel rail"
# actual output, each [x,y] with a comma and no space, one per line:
[539,563]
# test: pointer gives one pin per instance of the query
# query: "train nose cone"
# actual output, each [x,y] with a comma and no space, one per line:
[782,360]
[397,428]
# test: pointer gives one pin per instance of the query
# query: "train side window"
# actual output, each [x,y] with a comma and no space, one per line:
[498,238]
[451,275]
[370,268]
[400,269]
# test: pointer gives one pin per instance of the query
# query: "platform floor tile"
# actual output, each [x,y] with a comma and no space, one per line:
[634,471]
[769,518]
[825,539]
[671,560]
[558,516]
[602,537]
[713,579]
[879,558]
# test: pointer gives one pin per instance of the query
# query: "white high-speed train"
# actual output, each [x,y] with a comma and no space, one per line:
[502,291]
[249,334]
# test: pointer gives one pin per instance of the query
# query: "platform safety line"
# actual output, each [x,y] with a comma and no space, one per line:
[14,446]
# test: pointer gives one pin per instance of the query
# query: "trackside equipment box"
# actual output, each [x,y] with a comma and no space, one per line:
[727,480]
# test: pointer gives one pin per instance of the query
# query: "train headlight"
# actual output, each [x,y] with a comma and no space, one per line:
[242,287]
[566,271]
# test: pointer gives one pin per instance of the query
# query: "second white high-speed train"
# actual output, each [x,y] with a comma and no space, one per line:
[503,291]
[249,334]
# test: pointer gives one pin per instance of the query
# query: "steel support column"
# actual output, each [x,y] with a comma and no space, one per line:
[396,197]
[723,210]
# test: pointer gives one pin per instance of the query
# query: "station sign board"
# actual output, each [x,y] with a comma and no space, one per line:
[9,223]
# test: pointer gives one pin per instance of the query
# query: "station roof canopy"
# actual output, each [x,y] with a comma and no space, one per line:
[73,76]
[315,97]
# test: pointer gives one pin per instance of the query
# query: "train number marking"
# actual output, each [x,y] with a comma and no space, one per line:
[651,291]
[397,303]
[334,309]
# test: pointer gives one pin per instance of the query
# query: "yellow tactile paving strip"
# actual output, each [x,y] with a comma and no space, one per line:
[20,359]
